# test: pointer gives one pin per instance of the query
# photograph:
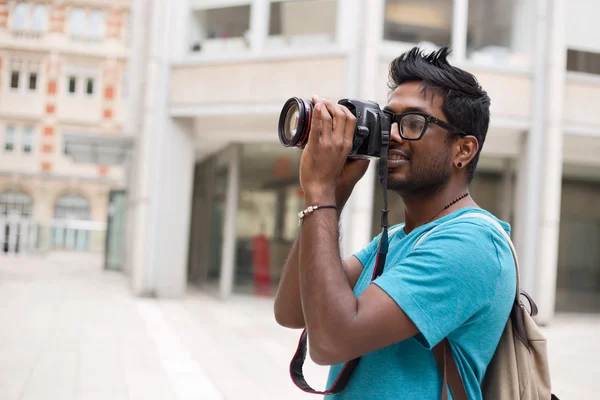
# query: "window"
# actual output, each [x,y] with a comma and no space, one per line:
[72,207]
[77,22]
[500,32]
[583,30]
[220,29]
[72,85]
[96,24]
[583,61]
[14,79]
[19,203]
[89,86]
[20,14]
[425,22]
[33,76]
[27,139]
[39,18]
[297,22]
[10,137]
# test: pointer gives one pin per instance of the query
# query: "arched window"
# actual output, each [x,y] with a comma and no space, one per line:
[15,203]
[39,19]
[20,16]
[73,207]
[77,21]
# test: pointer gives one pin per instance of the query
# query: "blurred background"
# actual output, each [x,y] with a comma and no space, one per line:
[141,177]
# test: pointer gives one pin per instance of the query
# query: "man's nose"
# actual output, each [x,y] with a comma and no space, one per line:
[395,133]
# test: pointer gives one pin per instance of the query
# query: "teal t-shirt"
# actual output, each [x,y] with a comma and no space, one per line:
[460,283]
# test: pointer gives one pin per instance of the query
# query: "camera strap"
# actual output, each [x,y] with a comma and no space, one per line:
[300,356]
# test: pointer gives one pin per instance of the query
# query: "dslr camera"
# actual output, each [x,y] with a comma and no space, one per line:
[371,121]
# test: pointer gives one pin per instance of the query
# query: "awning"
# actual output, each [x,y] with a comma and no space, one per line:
[103,149]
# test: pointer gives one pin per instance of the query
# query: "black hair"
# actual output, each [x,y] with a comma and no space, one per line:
[465,103]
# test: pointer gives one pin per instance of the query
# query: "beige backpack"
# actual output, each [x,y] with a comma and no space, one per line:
[519,368]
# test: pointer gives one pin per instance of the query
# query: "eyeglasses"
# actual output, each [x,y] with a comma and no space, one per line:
[412,125]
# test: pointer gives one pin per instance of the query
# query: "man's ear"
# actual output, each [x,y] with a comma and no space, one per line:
[468,147]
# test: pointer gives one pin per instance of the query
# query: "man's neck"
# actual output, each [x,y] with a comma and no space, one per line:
[420,210]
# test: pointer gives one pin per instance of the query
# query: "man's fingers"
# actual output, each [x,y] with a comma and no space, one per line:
[316,125]
[349,128]
[339,122]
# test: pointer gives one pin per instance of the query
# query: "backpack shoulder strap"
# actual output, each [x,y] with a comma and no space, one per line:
[396,229]
[498,228]
[442,351]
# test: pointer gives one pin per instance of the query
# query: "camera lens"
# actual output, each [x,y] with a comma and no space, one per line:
[291,122]
[294,122]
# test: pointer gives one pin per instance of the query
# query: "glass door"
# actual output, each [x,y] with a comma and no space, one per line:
[115,231]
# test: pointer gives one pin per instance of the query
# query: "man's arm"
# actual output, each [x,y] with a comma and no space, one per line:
[340,326]
[288,307]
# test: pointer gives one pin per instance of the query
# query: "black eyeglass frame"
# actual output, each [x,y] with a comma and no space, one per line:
[397,118]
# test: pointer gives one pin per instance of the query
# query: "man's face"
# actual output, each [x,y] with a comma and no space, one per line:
[423,166]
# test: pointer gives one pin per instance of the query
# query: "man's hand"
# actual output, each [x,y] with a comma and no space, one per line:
[326,174]
[352,172]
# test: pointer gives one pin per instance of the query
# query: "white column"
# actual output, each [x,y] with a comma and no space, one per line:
[172,209]
[348,25]
[540,179]
[162,166]
[460,21]
[506,199]
[534,146]
[180,36]
[519,200]
[357,217]
[259,25]
[229,230]
[551,179]
[522,28]
[349,35]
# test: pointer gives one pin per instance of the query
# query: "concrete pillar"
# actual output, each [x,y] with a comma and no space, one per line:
[163,159]
[229,229]
[358,215]
[172,209]
[460,22]
[539,180]
[552,161]
[259,25]
[506,196]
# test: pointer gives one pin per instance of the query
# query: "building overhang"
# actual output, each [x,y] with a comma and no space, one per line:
[104,149]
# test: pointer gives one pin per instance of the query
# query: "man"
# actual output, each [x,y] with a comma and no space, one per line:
[459,283]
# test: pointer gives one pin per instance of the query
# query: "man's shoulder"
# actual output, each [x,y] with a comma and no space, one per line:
[472,223]
[473,237]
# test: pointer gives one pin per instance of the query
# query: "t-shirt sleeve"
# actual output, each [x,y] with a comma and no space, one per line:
[366,253]
[446,279]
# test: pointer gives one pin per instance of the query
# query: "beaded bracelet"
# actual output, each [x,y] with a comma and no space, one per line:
[310,209]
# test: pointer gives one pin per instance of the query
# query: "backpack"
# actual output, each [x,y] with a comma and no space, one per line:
[519,369]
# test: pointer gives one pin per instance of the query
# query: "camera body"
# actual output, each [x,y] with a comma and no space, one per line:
[372,126]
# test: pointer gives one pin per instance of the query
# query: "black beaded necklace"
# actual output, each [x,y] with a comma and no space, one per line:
[447,206]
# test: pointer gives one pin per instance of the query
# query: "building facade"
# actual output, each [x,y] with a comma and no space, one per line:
[62,106]
[214,196]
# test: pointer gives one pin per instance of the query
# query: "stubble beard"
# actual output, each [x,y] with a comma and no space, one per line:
[422,181]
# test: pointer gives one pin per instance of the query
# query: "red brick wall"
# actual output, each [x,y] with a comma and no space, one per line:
[114,24]
[57,18]
[3,13]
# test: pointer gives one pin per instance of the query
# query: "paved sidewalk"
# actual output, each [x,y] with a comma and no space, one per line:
[73,331]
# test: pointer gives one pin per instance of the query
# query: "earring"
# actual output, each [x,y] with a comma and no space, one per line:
[459,165]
